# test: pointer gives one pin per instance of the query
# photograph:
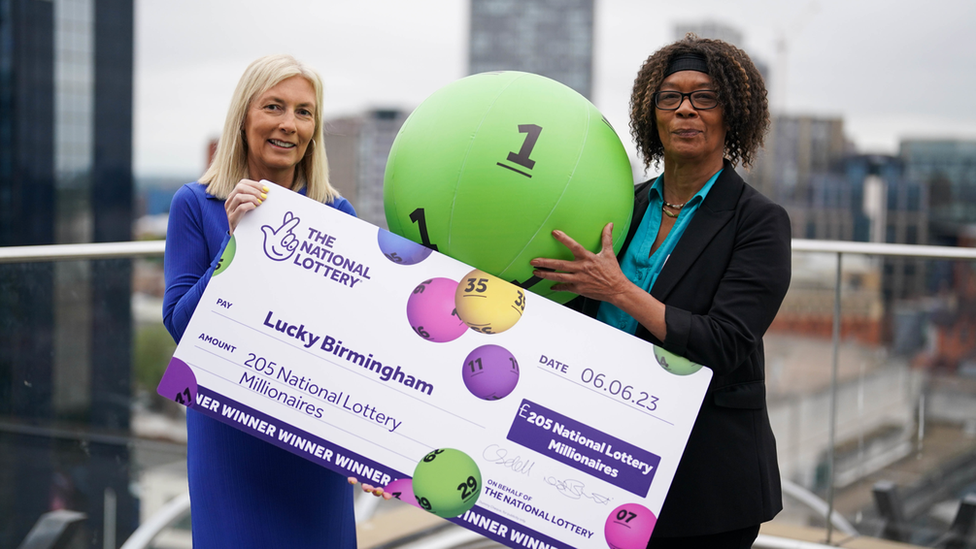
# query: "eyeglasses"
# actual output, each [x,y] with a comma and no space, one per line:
[700,99]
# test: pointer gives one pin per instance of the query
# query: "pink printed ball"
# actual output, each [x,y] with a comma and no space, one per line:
[402,489]
[490,372]
[629,526]
[431,312]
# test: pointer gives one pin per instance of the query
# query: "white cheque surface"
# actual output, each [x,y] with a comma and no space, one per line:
[302,339]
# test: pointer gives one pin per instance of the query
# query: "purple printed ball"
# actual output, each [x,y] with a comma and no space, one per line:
[629,526]
[490,372]
[431,313]
[400,250]
[402,489]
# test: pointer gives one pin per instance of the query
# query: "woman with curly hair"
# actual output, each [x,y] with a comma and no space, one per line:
[702,273]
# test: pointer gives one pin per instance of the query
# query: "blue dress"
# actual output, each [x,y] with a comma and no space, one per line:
[244,492]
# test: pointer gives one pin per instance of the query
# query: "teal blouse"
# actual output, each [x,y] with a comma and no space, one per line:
[639,265]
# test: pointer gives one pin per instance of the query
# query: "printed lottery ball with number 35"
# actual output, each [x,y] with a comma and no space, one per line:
[488,166]
[447,482]
[488,304]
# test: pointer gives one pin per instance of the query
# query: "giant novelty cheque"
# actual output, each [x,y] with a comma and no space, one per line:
[538,426]
[406,367]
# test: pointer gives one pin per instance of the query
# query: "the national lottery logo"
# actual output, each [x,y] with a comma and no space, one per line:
[280,243]
[312,250]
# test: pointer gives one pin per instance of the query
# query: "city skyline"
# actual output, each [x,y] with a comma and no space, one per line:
[891,72]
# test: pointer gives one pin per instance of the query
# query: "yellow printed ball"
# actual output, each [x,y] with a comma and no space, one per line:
[488,304]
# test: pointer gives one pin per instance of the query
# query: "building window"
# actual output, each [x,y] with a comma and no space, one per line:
[911,234]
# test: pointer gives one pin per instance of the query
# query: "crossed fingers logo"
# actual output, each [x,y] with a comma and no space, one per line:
[280,243]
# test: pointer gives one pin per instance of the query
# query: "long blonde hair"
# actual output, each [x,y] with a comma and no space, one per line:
[230,160]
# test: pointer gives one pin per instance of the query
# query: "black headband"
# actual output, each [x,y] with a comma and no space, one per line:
[689,61]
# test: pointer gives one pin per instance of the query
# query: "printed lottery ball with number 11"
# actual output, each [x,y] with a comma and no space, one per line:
[447,482]
[488,166]
[490,372]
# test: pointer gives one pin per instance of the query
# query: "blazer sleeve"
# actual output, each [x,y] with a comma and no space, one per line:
[751,287]
[187,264]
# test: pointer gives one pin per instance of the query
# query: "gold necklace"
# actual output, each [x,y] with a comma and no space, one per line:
[666,205]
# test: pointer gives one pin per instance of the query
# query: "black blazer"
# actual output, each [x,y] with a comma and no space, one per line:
[722,286]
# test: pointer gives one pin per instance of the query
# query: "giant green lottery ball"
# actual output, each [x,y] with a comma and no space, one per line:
[488,166]
[447,482]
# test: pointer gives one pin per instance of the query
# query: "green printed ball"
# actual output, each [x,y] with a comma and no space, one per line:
[227,256]
[488,166]
[447,482]
[675,364]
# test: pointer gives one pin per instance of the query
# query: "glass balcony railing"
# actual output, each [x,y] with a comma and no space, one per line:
[871,385]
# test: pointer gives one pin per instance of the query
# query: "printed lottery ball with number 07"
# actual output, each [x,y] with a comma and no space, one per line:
[431,311]
[629,526]
[490,372]
[488,166]
[447,482]
[488,304]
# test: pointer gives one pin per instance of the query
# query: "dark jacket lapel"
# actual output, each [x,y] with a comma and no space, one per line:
[714,213]
[641,201]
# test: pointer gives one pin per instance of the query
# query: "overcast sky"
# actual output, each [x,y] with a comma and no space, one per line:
[891,69]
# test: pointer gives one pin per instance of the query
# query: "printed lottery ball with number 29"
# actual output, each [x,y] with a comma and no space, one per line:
[447,482]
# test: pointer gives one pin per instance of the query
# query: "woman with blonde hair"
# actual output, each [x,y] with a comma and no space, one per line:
[245,492]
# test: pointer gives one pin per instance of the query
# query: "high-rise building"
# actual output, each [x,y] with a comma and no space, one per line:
[889,206]
[948,168]
[552,38]
[358,148]
[65,327]
[832,194]
[862,198]
[797,149]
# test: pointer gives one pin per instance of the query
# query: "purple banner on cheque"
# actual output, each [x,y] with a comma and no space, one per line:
[295,440]
[584,448]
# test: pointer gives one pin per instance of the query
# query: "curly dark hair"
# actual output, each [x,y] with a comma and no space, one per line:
[741,92]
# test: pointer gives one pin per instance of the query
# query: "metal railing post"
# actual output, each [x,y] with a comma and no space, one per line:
[833,401]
